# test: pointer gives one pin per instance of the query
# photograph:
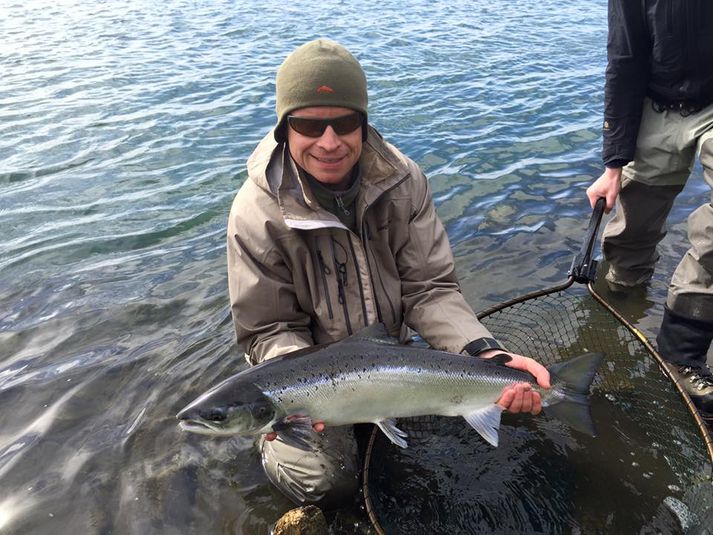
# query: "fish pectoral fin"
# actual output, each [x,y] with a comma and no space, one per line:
[486,422]
[296,430]
[394,434]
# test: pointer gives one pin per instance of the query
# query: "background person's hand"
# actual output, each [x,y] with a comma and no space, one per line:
[608,186]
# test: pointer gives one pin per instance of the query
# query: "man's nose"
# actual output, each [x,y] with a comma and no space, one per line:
[329,140]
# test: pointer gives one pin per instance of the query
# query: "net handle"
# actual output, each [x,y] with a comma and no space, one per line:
[584,267]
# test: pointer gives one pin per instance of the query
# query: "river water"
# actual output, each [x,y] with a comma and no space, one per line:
[124,130]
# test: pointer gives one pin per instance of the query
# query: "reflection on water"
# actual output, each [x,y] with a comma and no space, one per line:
[124,128]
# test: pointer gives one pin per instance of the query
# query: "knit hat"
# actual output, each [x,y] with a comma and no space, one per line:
[319,73]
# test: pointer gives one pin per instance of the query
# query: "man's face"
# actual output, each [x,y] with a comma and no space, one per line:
[330,157]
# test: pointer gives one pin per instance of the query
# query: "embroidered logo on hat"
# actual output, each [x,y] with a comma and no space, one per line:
[325,89]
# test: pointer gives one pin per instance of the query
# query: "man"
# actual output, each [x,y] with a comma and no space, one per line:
[658,113]
[335,230]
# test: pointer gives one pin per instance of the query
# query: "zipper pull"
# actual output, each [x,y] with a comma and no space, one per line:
[323,264]
[342,275]
[340,204]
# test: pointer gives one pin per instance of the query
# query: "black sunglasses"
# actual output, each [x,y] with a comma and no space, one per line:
[310,127]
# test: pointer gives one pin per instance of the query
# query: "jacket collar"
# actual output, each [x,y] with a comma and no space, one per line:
[272,169]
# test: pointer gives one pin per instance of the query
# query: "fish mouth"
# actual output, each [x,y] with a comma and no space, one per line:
[204,428]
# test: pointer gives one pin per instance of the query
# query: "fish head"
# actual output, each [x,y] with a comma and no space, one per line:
[228,410]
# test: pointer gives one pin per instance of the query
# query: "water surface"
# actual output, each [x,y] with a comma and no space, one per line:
[124,130]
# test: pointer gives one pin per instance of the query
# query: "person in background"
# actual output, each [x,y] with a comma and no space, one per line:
[658,114]
[334,230]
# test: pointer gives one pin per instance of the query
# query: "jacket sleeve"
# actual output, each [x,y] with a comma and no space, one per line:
[433,304]
[267,317]
[627,77]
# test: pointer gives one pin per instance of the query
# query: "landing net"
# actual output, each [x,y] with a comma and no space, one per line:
[648,470]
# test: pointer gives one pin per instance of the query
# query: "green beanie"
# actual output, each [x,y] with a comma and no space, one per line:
[319,73]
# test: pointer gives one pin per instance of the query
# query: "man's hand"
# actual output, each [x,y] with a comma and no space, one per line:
[317,426]
[520,397]
[608,186]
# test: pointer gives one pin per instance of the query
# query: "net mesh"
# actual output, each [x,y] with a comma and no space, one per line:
[648,470]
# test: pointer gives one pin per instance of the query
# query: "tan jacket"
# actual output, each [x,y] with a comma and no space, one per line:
[298,277]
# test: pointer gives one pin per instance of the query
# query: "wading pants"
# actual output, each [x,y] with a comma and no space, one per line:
[665,153]
[327,476]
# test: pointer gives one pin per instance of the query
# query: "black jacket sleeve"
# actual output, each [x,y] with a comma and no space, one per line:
[627,75]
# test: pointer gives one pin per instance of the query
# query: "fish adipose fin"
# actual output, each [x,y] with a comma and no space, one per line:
[486,421]
[394,433]
[570,387]
[296,431]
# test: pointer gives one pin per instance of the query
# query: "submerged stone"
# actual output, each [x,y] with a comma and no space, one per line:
[307,520]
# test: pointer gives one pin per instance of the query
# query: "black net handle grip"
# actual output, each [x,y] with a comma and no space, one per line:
[584,267]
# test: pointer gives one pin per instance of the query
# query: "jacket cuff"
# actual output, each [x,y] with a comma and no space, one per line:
[479,345]
[616,163]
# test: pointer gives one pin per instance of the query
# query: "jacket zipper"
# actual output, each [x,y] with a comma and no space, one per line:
[340,204]
[366,237]
[325,271]
[361,287]
[340,269]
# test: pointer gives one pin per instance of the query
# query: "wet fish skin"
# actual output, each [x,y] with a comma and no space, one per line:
[369,377]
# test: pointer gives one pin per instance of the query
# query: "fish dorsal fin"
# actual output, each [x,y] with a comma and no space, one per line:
[486,421]
[394,434]
[376,333]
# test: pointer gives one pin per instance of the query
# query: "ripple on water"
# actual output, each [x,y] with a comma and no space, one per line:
[124,131]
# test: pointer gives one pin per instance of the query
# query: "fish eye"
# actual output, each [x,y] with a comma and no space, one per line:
[260,411]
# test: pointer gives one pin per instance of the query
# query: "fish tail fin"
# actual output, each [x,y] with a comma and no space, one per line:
[568,400]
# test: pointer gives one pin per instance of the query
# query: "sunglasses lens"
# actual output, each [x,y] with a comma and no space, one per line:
[347,124]
[307,127]
[315,127]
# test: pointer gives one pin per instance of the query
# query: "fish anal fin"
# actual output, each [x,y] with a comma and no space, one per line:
[486,422]
[393,433]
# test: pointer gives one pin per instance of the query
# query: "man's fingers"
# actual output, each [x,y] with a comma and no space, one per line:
[539,371]
[521,398]
[317,426]
[506,397]
[536,403]
[516,405]
[526,405]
